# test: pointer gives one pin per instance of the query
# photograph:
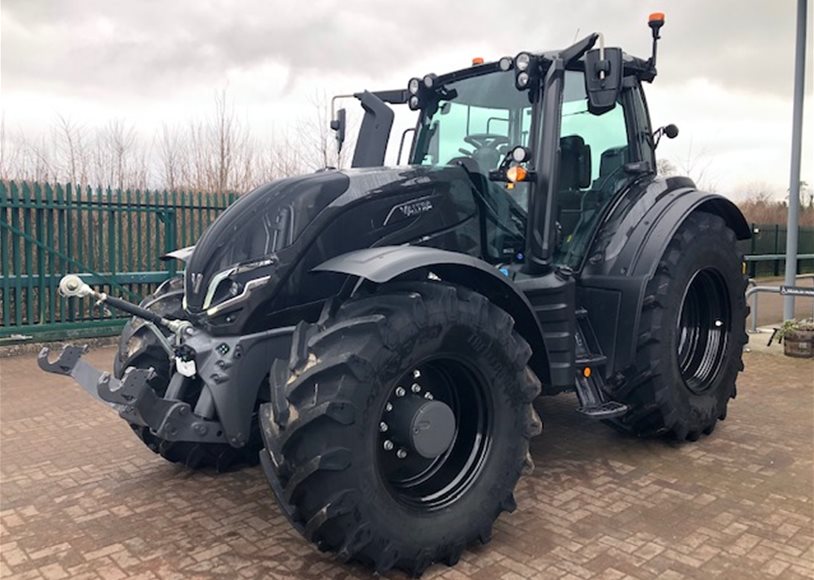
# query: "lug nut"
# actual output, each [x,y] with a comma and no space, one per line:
[383,427]
[401,453]
[389,406]
[416,388]
[428,396]
[416,373]
[388,445]
[400,392]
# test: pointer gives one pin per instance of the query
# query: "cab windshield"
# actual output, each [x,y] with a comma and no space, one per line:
[485,116]
[482,119]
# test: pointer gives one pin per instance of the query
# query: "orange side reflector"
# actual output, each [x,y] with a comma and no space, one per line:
[586,372]
[656,17]
[477,60]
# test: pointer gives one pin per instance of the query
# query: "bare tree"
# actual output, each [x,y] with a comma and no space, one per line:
[4,156]
[115,155]
[41,159]
[319,145]
[763,203]
[216,153]
[172,157]
[72,151]
[696,165]
[665,167]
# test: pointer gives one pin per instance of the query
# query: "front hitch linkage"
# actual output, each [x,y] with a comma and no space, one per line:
[132,396]
[72,286]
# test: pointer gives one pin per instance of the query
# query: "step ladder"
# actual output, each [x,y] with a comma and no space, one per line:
[590,382]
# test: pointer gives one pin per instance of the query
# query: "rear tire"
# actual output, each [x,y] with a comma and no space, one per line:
[328,459]
[692,334]
[139,347]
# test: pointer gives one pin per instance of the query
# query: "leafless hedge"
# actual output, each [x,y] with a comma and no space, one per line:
[214,154]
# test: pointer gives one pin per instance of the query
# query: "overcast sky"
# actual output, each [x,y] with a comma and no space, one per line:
[725,66]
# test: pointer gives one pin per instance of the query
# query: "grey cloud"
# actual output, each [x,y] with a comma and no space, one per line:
[111,46]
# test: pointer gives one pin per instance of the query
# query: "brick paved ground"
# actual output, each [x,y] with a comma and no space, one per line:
[82,498]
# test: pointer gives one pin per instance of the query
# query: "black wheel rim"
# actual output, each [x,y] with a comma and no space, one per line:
[703,330]
[431,484]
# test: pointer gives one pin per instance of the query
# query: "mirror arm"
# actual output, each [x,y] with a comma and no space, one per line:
[657,136]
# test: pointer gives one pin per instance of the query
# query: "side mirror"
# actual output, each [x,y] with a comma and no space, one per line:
[670,131]
[339,125]
[603,78]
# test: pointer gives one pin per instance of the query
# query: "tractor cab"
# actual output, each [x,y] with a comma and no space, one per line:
[548,139]
[484,123]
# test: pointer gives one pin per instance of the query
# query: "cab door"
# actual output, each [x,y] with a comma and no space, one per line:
[595,156]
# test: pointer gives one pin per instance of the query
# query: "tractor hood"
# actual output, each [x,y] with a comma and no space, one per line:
[256,227]
[243,243]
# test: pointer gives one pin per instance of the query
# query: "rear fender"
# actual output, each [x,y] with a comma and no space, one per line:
[627,252]
[655,239]
[385,263]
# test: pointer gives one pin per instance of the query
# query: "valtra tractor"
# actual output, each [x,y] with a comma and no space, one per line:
[376,336]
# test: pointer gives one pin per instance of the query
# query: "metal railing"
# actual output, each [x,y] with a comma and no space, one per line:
[754,291]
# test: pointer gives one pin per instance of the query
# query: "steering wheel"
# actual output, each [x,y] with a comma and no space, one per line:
[486,148]
[486,140]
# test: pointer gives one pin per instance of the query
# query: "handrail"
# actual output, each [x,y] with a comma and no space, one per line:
[753,291]
[773,257]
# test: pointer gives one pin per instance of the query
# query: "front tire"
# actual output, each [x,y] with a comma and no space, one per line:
[692,334]
[341,469]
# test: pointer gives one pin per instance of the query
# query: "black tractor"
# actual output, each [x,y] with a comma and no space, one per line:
[376,336]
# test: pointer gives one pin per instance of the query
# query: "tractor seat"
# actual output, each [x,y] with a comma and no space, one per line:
[611,169]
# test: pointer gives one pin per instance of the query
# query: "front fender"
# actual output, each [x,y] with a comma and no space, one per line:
[385,263]
[181,254]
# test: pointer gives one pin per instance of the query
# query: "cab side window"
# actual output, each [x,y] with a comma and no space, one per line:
[593,152]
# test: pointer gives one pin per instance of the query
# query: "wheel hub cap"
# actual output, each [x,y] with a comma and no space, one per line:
[424,426]
[434,433]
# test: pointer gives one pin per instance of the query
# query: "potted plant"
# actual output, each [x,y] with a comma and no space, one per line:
[797,337]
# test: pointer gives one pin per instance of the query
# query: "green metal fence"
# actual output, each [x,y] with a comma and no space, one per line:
[767,249]
[112,238]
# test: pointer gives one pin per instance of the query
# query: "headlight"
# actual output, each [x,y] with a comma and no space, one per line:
[505,63]
[522,80]
[234,285]
[520,154]
[414,103]
[413,86]
[429,80]
[522,61]
[244,290]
